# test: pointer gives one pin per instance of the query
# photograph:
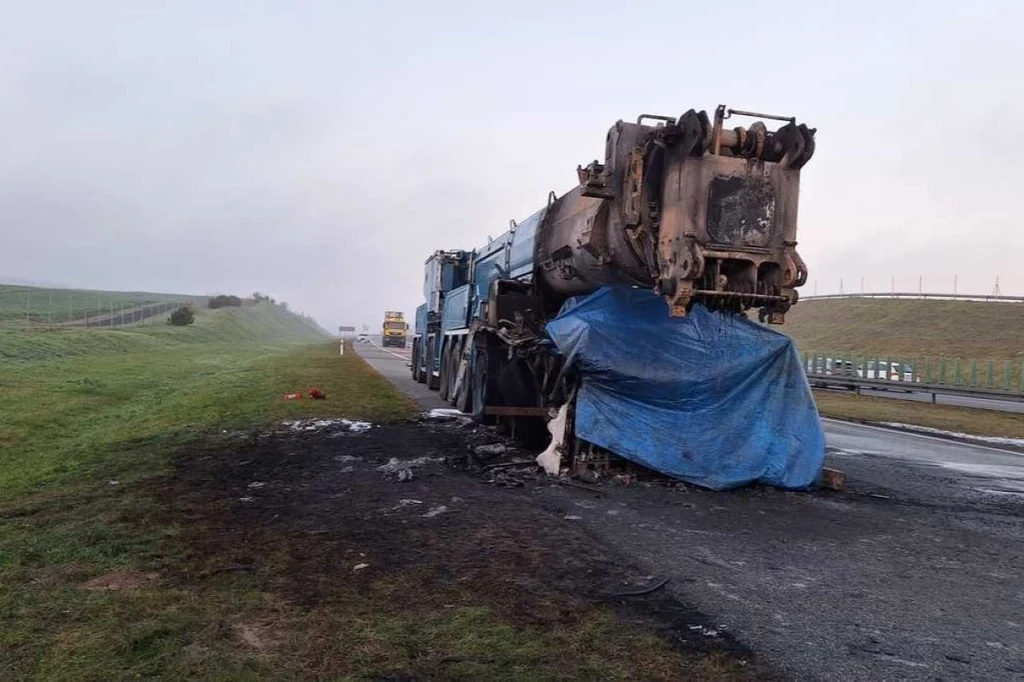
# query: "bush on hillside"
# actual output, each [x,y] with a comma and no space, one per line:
[257,297]
[224,301]
[183,316]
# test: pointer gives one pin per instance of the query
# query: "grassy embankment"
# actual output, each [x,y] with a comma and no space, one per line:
[88,419]
[24,306]
[92,424]
[913,331]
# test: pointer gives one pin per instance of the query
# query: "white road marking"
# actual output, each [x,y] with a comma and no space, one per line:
[914,434]
[407,356]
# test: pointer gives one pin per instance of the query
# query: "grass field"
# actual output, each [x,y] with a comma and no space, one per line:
[946,417]
[68,396]
[910,328]
[86,418]
[23,305]
[120,526]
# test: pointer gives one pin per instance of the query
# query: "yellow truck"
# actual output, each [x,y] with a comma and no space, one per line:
[395,329]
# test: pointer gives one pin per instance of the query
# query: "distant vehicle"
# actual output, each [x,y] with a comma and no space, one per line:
[395,329]
[880,369]
[833,366]
[873,369]
[908,374]
[363,338]
[841,367]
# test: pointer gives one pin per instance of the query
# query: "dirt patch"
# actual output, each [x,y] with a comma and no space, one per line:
[434,575]
[121,580]
[259,636]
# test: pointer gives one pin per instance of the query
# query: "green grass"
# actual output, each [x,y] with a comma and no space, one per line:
[947,417]
[90,424]
[82,408]
[910,328]
[42,306]
[70,399]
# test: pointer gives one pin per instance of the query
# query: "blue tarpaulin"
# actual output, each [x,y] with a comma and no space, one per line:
[712,398]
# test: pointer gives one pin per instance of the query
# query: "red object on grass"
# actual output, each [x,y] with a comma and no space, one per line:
[317,394]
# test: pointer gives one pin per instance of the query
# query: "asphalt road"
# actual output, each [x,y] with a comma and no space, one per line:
[394,364]
[916,571]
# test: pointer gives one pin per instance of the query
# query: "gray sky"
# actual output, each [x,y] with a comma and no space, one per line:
[320,151]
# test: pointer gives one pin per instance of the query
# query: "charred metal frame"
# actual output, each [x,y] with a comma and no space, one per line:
[688,207]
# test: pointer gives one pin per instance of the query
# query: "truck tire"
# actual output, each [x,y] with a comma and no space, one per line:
[421,374]
[432,381]
[453,370]
[446,376]
[483,389]
[461,399]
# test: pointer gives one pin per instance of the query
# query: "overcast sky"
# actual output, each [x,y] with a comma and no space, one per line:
[319,151]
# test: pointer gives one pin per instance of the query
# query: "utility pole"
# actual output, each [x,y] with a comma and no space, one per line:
[954,284]
[49,312]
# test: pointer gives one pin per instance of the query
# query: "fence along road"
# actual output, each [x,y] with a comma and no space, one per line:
[33,309]
[947,382]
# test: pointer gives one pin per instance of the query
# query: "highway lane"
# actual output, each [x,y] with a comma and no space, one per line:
[916,571]
[394,365]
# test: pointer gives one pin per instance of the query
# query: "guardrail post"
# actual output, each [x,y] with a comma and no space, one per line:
[1007,383]
[974,374]
[956,371]
[989,380]
[942,371]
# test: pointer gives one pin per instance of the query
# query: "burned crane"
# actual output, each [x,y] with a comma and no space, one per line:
[687,207]
[695,210]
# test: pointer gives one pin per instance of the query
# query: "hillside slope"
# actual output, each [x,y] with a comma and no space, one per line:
[259,324]
[41,305]
[909,328]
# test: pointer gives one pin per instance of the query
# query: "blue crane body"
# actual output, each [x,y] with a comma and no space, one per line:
[685,207]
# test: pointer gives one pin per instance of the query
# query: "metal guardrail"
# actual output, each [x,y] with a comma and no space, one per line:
[939,297]
[935,390]
[943,377]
